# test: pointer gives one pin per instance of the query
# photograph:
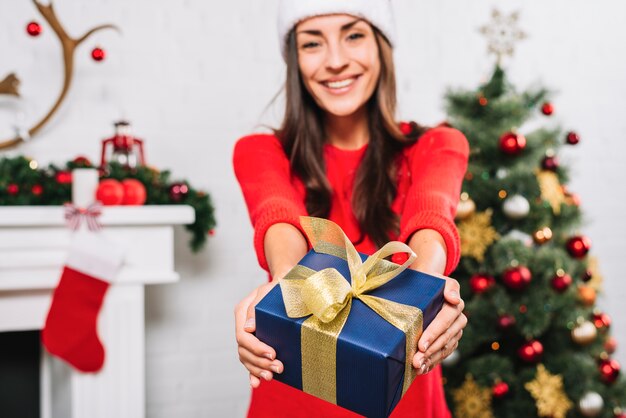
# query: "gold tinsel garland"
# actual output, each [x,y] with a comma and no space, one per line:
[550,398]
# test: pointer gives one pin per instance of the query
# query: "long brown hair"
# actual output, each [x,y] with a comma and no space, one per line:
[302,135]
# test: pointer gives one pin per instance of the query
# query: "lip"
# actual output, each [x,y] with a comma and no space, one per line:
[342,90]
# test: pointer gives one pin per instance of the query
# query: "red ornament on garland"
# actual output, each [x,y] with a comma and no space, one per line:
[587,275]
[480,283]
[37,190]
[134,192]
[512,143]
[531,352]
[500,390]
[547,109]
[517,278]
[601,320]
[13,189]
[178,191]
[578,246]
[610,345]
[211,232]
[33,28]
[63,177]
[506,322]
[560,283]
[110,192]
[609,370]
[550,163]
[572,138]
[98,54]
[82,161]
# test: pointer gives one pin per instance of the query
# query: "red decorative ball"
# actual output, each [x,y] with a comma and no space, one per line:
[178,191]
[82,161]
[550,163]
[98,54]
[517,278]
[610,345]
[110,192]
[13,189]
[63,177]
[609,370]
[134,192]
[587,275]
[500,390]
[561,283]
[578,246]
[601,320]
[480,283]
[33,28]
[547,109]
[37,190]
[405,128]
[506,322]
[531,352]
[211,232]
[512,143]
[572,138]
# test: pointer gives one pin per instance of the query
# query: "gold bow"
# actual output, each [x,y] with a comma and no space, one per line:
[327,296]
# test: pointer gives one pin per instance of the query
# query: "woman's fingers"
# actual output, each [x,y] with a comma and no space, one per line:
[254,381]
[441,347]
[444,319]
[452,290]
[248,357]
[439,355]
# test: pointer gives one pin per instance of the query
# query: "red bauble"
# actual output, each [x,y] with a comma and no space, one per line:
[178,191]
[587,275]
[63,177]
[531,352]
[211,232]
[110,192]
[512,143]
[37,190]
[500,390]
[610,345]
[98,54]
[82,161]
[572,138]
[33,28]
[550,163]
[517,278]
[561,283]
[13,189]
[405,128]
[547,109]
[609,370]
[506,322]
[134,192]
[578,246]
[480,283]
[601,320]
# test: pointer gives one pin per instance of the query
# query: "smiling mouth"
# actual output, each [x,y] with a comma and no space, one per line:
[341,84]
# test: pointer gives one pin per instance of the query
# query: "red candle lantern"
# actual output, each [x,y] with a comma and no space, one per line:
[126,149]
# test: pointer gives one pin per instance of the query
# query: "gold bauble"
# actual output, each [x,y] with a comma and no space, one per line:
[584,333]
[542,235]
[466,207]
[587,295]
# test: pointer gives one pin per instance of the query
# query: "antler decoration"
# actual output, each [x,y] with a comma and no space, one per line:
[9,85]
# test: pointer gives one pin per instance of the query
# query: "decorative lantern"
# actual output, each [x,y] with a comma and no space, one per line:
[127,150]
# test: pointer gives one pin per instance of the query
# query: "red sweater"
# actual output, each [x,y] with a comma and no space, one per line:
[429,184]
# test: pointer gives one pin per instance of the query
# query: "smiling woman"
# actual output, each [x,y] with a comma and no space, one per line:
[341,155]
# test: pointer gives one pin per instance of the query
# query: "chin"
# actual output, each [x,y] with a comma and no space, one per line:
[341,108]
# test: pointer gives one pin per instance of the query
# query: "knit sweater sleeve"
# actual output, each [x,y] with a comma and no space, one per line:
[437,164]
[264,175]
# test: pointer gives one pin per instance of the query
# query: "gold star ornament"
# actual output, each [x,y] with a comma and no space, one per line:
[547,389]
[477,234]
[472,401]
[502,33]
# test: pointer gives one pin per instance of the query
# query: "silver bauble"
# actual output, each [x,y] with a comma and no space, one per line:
[591,404]
[516,207]
[452,359]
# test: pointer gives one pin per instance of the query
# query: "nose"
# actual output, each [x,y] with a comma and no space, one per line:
[336,59]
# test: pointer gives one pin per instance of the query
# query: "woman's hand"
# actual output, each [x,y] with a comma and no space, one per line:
[257,357]
[442,336]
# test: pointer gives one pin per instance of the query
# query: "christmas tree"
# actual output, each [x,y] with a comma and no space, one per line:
[535,345]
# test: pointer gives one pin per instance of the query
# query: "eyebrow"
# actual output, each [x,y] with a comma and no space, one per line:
[344,28]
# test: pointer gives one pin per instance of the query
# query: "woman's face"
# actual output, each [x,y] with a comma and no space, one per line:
[339,61]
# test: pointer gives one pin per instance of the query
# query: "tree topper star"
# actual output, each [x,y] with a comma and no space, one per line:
[502,33]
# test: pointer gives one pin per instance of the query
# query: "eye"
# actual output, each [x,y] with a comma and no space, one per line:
[355,36]
[310,45]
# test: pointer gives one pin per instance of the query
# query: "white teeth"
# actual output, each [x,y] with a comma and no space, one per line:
[340,84]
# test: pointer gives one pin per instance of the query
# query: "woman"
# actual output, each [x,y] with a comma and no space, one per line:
[339,154]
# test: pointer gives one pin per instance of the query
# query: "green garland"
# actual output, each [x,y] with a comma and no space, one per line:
[23,182]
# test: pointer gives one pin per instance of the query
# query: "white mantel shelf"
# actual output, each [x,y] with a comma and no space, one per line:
[33,247]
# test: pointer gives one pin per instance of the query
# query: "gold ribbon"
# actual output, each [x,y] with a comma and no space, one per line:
[327,296]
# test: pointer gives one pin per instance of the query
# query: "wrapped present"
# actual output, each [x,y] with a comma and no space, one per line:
[346,325]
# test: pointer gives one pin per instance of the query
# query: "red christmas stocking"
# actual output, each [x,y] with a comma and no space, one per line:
[70,331]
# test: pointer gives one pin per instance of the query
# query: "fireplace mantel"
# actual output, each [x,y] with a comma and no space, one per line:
[33,247]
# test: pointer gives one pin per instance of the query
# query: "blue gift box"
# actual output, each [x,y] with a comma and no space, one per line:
[371,353]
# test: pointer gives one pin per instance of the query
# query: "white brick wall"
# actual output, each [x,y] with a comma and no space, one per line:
[193,76]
